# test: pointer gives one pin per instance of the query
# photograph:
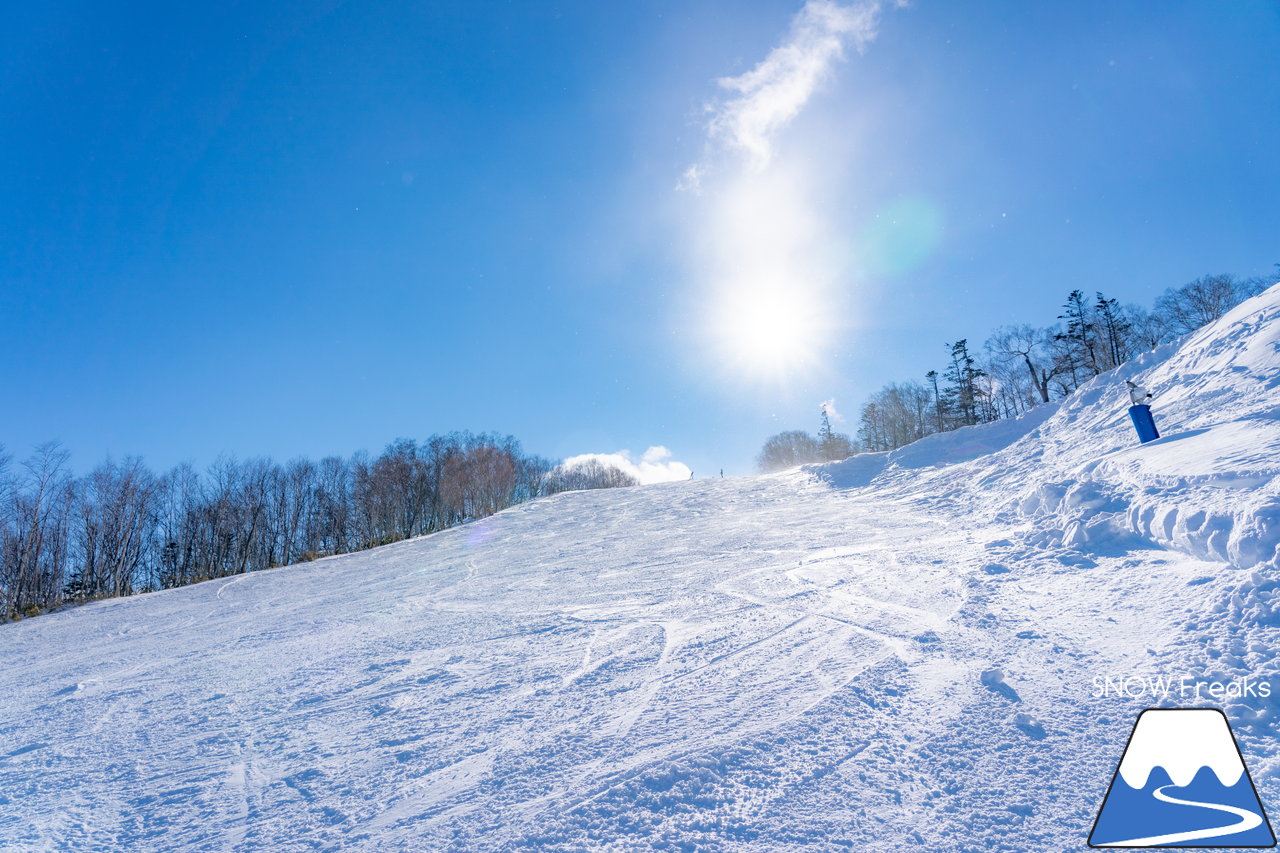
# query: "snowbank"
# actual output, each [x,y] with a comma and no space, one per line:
[944,448]
[1207,487]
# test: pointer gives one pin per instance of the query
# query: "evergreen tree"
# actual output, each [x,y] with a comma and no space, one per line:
[1079,339]
[963,392]
[939,407]
[833,445]
[1115,328]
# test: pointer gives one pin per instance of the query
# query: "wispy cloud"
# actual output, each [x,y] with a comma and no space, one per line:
[655,465]
[769,96]
[829,406]
[766,238]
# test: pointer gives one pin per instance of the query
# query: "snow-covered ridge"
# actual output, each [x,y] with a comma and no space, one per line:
[1210,486]
[933,451]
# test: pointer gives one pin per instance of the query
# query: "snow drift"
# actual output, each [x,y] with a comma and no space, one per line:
[1207,487]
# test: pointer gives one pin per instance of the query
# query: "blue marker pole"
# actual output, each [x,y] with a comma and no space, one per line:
[1144,423]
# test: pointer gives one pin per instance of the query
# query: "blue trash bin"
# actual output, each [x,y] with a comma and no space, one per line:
[1144,423]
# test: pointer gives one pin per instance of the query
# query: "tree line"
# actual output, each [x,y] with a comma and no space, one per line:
[123,529]
[1021,366]
[798,447]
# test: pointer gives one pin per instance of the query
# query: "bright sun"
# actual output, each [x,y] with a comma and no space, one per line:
[768,331]
[771,309]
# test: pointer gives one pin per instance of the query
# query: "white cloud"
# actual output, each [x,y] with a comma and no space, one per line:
[655,454]
[829,406]
[773,93]
[655,465]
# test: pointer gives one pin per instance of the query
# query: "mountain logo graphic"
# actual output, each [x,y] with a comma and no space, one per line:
[1182,783]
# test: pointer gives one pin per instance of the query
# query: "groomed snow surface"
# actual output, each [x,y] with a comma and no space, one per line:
[896,652]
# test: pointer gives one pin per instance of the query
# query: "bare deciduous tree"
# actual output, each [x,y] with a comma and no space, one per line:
[37,544]
[897,414]
[120,529]
[787,450]
[588,474]
[117,510]
[1032,349]
[1204,300]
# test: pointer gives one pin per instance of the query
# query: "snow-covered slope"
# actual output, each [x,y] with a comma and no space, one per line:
[1208,486]
[898,653]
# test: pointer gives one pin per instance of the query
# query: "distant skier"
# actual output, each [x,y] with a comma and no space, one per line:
[1140,413]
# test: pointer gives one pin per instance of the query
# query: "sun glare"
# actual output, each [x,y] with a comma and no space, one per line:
[768,331]
[770,263]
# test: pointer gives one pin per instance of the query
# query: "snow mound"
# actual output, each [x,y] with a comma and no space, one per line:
[1208,487]
[932,451]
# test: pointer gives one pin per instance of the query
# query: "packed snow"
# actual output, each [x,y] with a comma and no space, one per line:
[899,651]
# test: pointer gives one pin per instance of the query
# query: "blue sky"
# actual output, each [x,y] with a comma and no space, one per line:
[291,229]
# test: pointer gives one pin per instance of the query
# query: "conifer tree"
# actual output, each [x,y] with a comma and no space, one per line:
[939,407]
[1079,339]
[824,429]
[1115,329]
[963,391]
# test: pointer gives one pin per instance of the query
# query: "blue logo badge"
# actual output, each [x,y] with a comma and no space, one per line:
[1182,783]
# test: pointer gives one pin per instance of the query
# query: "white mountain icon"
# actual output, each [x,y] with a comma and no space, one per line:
[1181,741]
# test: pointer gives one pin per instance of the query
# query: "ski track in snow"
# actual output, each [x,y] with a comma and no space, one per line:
[898,653]
[684,675]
